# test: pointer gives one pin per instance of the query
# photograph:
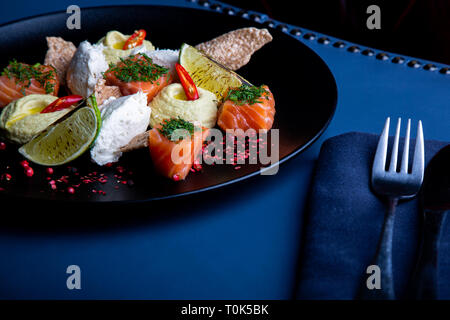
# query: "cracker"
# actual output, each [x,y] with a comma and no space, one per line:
[234,49]
[59,55]
[140,141]
[103,92]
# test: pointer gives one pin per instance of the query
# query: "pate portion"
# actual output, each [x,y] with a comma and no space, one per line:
[122,119]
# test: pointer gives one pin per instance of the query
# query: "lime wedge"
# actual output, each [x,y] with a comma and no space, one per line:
[92,102]
[64,141]
[207,73]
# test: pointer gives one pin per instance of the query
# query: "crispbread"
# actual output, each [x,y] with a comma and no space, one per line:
[103,92]
[139,141]
[58,55]
[234,49]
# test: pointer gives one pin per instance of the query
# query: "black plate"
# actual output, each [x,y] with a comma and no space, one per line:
[303,86]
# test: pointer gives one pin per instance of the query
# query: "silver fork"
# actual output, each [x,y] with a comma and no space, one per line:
[394,185]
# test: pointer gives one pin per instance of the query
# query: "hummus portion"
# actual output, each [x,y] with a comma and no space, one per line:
[21,120]
[113,43]
[171,102]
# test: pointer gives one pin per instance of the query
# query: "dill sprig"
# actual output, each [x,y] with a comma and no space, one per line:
[135,68]
[246,94]
[168,126]
[24,73]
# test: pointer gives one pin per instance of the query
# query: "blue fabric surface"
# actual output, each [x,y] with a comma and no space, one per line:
[237,243]
[345,220]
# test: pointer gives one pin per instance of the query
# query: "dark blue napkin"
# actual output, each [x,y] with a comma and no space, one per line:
[344,224]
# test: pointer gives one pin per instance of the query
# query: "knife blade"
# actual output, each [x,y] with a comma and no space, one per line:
[435,199]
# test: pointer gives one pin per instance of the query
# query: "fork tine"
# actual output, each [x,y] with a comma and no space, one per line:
[394,155]
[405,156]
[419,153]
[379,162]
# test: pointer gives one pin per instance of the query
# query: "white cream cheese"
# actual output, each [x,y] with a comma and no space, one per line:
[86,68]
[122,119]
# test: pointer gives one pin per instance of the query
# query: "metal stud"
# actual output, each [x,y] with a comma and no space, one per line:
[216,7]
[339,44]
[323,40]
[309,36]
[204,3]
[414,64]
[354,49]
[445,70]
[282,27]
[243,14]
[296,32]
[255,17]
[229,11]
[368,52]
[430,67]
[382,56]
[269,24]
[398,60]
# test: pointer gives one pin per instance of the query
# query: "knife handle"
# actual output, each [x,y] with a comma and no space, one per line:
[383,259]
[425,284]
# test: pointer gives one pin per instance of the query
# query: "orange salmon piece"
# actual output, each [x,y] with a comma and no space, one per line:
[151,88]
[163,150]
[255,116]
[11,88]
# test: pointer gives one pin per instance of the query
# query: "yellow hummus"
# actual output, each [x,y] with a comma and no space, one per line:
[114,41]
[171,102]
[21,120]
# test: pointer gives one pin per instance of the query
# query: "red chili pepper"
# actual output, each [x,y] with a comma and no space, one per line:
[186,81]
[135,40]
[62,103]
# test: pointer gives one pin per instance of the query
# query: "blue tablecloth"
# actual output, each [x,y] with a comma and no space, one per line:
[245,243]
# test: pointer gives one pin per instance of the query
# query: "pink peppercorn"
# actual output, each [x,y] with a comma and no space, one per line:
[49,170]
[24,164]
[29,172]
[2,146]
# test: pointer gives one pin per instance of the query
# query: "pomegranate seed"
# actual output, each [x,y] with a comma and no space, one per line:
[70,190]
[29,172]
[53,186]
[49,170]
[176,177]
[6,176]
[2,145]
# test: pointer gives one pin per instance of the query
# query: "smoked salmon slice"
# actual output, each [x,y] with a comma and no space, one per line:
[174,159]
[21,79]
[138,73]
[247,108]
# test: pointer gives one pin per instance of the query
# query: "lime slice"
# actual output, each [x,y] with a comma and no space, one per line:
[207,73]
[64,141]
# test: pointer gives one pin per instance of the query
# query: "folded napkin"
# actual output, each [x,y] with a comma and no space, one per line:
[345,219]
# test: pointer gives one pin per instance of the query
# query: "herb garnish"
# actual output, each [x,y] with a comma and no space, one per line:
[137,68]
[169,126]
[24,73]
[246,94]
